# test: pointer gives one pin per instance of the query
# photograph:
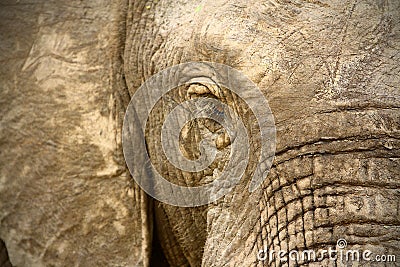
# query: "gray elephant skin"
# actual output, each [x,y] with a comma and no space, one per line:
[329,70]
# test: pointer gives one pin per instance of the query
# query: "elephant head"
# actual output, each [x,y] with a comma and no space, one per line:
[328,69]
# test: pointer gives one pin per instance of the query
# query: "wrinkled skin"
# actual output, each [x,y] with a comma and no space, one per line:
[65,197]
[329,70]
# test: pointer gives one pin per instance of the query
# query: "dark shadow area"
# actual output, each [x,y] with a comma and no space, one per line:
[4,260]
[157,255]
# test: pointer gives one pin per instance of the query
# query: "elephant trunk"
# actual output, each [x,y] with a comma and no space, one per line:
[339,195]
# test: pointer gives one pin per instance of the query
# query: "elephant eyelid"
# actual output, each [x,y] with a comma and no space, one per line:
[204,90]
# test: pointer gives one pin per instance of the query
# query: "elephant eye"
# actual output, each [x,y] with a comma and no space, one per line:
[217,110]
[210,91]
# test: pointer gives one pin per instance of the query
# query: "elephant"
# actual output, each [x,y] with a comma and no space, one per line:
[330,73]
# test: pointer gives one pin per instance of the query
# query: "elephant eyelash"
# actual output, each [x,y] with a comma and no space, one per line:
[215,110]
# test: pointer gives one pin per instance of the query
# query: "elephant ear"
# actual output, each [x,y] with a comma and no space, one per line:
[142,210]
[132,135]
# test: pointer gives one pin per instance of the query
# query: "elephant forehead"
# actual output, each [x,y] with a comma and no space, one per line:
[314,49]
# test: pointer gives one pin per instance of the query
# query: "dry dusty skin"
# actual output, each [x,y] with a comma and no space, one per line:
[329,69]
[64,193]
